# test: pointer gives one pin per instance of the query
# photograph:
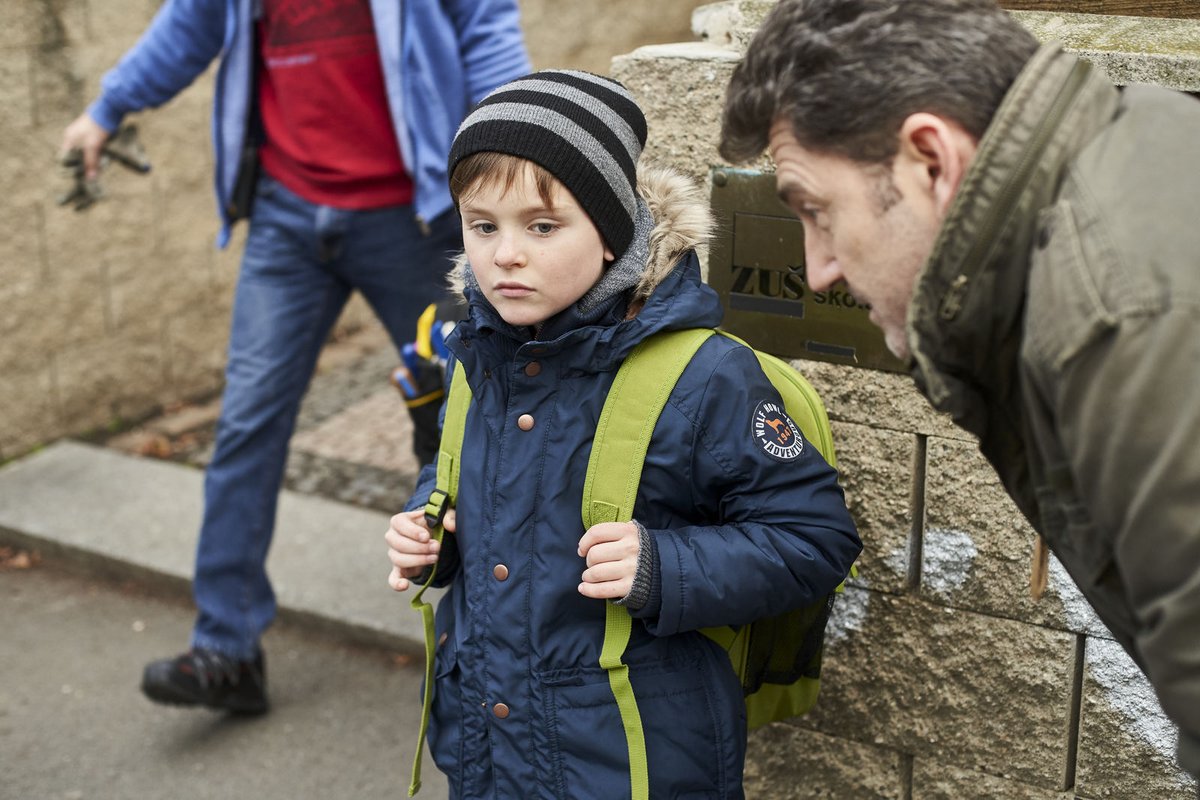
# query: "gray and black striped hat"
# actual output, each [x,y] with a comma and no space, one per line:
[584,129]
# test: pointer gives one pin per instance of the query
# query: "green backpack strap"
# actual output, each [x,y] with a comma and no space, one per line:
[622,437]
[441,500]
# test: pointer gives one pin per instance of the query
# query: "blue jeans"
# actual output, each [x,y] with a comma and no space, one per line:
[300,265]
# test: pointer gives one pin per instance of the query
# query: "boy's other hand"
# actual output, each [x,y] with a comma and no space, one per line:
[410,547]
[611,550]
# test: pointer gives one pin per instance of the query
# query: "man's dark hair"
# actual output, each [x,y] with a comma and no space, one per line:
[846,73]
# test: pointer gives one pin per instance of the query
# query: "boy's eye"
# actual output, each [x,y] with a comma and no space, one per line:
[544,228]
[483,227]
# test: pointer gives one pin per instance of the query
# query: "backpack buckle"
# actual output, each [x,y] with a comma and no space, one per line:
[436,508]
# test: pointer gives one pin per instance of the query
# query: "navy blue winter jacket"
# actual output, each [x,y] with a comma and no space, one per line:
[522,708]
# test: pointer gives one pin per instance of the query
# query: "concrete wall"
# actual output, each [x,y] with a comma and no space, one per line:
[110,314]
[584,34]
[943,679]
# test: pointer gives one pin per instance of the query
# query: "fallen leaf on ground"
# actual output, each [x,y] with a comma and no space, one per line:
[11,558]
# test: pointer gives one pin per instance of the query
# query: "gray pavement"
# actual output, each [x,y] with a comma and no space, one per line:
[73,725]
[137,517]
[116,532]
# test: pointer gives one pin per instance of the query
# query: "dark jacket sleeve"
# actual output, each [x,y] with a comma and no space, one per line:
[780,535]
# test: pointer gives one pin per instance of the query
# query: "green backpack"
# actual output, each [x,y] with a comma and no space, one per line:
[777,659]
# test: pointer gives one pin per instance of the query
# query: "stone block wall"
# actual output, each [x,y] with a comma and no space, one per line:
[943,678]
[110,314]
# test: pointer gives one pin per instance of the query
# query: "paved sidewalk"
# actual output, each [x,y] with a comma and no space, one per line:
[73,725]
[137,518]
[131,506]
[343,661]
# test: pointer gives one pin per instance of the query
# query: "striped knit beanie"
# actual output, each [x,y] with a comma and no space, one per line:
[585,130]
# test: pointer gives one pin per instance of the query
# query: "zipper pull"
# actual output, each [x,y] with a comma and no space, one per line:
[423,226]
[952,301]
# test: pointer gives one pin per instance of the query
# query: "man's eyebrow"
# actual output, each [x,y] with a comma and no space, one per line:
[792,192]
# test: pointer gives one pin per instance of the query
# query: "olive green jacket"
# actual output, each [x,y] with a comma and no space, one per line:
[1058,319]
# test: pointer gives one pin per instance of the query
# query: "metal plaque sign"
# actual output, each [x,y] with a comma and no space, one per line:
[756,264]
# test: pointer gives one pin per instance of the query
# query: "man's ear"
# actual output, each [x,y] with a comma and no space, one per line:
[937,152]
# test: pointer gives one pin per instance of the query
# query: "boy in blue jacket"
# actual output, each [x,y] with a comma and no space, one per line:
[571,260]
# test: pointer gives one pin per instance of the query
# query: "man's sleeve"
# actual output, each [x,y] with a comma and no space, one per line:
[491,42]
[1128,416]
[181,41]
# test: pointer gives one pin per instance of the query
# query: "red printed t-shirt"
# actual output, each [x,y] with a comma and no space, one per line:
[329,134]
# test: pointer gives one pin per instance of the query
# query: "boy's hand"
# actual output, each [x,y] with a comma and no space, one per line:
[611,550]
[410,547]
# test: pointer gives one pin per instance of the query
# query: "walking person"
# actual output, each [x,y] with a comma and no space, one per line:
[331,125]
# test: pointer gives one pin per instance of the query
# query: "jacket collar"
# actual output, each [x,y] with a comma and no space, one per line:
[964,322]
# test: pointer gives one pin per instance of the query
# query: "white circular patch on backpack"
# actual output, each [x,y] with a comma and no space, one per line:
[775,432]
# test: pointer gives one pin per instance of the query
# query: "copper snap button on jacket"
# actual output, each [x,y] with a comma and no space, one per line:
[533,368]
[500,571]
[525,422]
[500,710]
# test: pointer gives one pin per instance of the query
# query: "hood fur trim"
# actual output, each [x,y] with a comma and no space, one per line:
[682,222]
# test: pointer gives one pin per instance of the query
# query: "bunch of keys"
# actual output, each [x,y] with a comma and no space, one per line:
[123,147]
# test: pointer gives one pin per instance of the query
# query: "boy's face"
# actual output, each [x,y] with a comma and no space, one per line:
[532,260]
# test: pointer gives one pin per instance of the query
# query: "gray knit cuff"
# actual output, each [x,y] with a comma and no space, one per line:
[643,576]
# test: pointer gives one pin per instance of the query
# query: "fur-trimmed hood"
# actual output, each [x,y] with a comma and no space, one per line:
[682,222]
